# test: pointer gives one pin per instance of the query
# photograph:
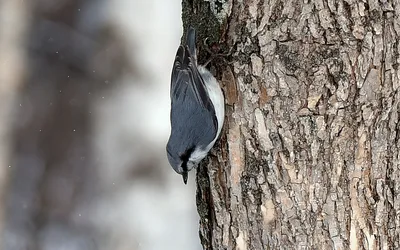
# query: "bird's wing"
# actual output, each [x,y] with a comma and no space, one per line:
[185,77]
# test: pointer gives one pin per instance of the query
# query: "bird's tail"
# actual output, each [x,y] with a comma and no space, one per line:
[191,42]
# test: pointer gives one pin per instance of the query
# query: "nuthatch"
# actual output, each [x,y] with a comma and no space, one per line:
[197,109]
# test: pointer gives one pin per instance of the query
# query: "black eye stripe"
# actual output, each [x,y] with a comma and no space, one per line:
[184,166]
[185,156]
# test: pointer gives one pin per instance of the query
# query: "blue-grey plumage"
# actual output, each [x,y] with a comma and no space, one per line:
[197,109]
[191,43]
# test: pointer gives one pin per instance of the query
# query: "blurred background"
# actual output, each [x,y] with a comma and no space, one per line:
[84,119]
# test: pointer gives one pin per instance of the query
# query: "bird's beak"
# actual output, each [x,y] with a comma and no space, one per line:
[185,177]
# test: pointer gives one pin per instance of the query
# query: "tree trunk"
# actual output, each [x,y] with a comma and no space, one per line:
[309,157]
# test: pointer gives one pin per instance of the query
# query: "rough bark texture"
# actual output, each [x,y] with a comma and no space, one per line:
[309,157]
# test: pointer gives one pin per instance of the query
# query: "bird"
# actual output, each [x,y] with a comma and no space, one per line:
[197,109]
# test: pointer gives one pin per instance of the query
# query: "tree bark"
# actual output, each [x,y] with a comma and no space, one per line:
[309,157]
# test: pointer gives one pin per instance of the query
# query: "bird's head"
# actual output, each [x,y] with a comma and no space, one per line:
[181,162]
